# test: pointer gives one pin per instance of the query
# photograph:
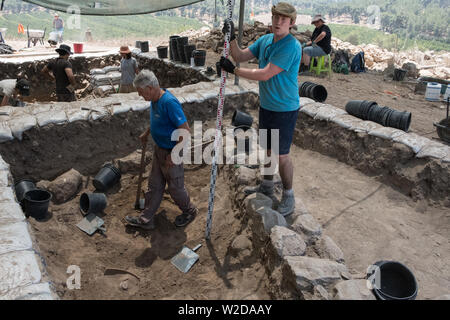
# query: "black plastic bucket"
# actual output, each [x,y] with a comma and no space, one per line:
[162,52]
[107,177]
[199,57]
[92,203]
[172,47]
[188,49]
[397,282]
[36,203]
[22,187]
[237,137]
[181,42]
[313,91]
[397,119]
[138,44]
[399,74]
[241,120]
[144,46]
[360,108]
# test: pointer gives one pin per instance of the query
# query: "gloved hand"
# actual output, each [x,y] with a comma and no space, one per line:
[226,26]
[227,65]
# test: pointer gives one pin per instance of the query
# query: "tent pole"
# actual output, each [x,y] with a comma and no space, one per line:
[241,33]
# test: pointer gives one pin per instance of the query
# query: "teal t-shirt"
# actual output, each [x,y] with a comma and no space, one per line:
[280,93]
[166,116]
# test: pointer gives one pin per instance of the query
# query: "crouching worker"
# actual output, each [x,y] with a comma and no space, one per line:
[10,89]
[166,115]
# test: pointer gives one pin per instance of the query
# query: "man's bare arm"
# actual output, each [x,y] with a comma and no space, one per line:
[265,74]
[70,75]
[240,55]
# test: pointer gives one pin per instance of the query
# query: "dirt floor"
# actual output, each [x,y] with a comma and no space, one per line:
[370,221]
[219,274]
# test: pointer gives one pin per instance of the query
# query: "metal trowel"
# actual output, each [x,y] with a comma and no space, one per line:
[91,223]
[184,260]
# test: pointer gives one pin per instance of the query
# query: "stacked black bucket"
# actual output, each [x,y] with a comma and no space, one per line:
[181,51]
[313,91]
[370,110]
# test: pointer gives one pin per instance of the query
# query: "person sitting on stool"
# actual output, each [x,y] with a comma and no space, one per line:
[320,44]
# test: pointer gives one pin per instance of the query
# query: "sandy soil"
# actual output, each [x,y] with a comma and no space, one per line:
[219,274]
[370,221]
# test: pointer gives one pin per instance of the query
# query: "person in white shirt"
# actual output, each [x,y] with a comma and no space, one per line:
[10,89]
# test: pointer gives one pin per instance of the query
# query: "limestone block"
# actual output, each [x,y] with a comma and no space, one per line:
[310,272]
[76,114]
[434,150]
[353,290]
[132,162]
[271,218]
[65,186]
[20,125]
[365,126]
[6,194]
[100,113]
[10,212]
[192,97]
[121,108]
[311,109]
[326,248]
[320,293]
[40,108]
[208,94]
[139,105]
[3,164]
[245,176]
[287,242]
[307,225]
[443,297]
[51,117]
[14,237]
[40,291]
[5,178]
[257,200]
[387,133]
[305,101]
[18,269]
[5,132]
[327,112]
[412,140]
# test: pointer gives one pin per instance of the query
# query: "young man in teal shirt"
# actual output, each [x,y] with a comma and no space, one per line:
[279,55]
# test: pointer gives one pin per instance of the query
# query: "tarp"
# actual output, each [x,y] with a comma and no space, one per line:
[111,7]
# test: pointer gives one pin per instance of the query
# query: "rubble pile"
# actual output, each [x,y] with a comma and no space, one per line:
[417,63]
[215,40]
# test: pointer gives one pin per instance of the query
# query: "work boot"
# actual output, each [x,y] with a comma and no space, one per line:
[287,204]
[266,188]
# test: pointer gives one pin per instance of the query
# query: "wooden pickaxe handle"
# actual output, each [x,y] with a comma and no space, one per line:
[138,196]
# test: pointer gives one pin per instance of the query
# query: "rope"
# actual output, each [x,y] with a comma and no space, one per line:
[218,137]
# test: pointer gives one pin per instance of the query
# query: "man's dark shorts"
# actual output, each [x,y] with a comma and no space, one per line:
[284,122]
[66,97]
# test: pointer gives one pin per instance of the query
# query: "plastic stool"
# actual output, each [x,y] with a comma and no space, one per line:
[320,67]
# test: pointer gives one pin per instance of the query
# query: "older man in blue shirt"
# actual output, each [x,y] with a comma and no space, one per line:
[166,116]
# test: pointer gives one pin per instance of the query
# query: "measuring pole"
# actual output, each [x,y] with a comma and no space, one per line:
[218,137]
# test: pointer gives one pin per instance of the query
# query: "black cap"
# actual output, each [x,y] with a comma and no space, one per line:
[64,49]
[23,86]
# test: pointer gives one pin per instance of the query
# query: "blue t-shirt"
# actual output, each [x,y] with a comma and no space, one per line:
[166,116]
[279,93]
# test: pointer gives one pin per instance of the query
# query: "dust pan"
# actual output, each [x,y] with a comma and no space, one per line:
[91,223]
[184,260]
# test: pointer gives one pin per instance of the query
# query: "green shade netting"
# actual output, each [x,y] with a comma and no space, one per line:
[111,7]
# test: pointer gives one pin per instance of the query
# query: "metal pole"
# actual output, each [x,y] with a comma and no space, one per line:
[241,33]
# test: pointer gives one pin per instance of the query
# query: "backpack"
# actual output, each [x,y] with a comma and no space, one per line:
[341,62]
[358,63]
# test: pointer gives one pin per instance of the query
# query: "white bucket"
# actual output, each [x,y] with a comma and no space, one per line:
[433,92]
[447,93]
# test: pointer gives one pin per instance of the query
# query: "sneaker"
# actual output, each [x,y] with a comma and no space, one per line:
[185,218]
[287,205]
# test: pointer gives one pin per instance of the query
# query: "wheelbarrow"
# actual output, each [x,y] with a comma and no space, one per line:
[443,127]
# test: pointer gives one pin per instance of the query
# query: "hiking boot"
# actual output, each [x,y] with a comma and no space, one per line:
[287,205]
